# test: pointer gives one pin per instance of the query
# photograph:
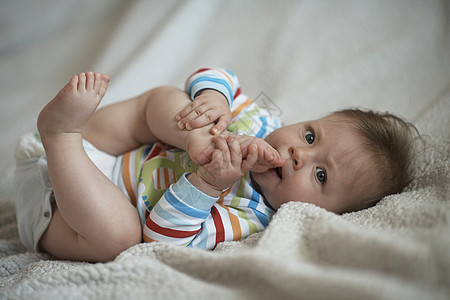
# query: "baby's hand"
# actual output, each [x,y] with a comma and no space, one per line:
[268,157]
[208,107]
[226,167]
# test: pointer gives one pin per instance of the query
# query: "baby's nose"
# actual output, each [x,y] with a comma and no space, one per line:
[295,156]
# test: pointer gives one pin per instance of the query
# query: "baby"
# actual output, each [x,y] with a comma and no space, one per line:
[159,167]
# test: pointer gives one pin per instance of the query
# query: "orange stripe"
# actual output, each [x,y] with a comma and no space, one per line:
[166,178]
[231,81]
[238,109]
[127,178]
[223,195]
[147,239]
[158,180]
[235,226]
[237,233]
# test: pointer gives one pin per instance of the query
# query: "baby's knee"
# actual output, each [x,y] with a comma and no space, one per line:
[167,93]
[165,89]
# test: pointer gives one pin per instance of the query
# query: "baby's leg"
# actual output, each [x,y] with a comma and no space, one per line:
[93,221]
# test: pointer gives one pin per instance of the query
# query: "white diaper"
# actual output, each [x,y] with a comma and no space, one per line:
[34,194]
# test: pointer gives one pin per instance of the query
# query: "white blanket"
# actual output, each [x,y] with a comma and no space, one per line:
[305,59]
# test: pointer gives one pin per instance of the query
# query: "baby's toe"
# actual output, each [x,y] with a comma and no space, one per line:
[104,81]
[73,82]
[81,81]
[105,78]
[70,87]
[90,80]
[97,82]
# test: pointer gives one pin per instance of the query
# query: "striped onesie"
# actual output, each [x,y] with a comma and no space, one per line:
[170,208]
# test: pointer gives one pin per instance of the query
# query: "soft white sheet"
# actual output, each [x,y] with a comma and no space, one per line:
[308,58]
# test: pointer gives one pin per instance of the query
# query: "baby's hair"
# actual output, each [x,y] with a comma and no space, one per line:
[390,142]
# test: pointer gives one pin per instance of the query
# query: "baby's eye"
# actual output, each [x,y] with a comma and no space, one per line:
[321,175]
[309,137]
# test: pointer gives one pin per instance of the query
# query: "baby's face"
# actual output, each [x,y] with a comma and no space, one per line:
[324,165]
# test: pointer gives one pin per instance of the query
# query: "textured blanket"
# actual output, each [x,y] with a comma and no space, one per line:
[308,58]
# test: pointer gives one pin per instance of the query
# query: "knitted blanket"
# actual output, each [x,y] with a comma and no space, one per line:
[384,55]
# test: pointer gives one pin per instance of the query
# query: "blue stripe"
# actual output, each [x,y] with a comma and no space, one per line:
[255,195]
[269,211]
[202,236]
[229,72]
[212,79]
[168,216]
[262,218]
[263,129]
[180,206]
[253,203]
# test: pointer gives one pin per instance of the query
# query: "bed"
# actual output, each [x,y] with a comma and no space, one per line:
[301,60]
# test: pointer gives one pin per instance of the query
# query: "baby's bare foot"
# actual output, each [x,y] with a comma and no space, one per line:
[72,107]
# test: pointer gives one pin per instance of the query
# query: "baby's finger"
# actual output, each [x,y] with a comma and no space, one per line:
[217,157]
[190,108]
[273,157]
[222,145]
[206,118]
[221,125]
[277,160]
[185,111]
[251,159]
[216,165]
[235,150]
[194,114]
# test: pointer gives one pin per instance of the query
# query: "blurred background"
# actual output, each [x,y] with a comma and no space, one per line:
[307,57]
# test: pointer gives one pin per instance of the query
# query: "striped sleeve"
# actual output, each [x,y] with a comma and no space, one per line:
[187,217]
[178,216]
[219,79]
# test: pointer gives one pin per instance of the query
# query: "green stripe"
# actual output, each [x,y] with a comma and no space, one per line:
[236,201]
